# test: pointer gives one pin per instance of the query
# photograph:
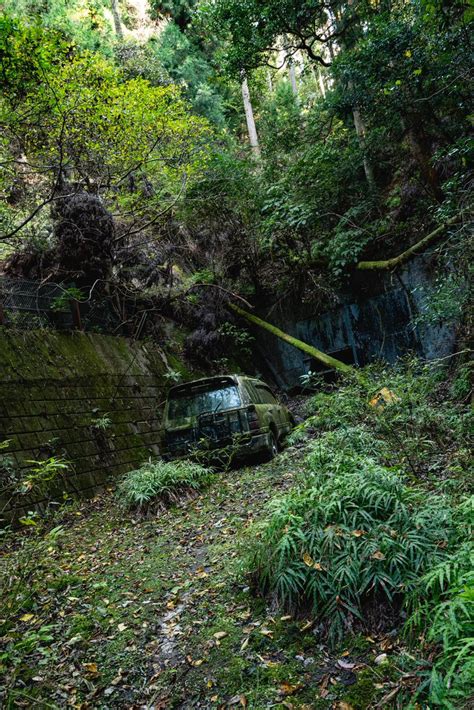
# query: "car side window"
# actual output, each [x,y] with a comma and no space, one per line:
[265,395]
[250,391]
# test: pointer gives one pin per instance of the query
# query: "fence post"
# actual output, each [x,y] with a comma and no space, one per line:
[76,314]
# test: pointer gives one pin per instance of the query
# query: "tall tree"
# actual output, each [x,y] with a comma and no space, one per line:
[117,19]
[251,128]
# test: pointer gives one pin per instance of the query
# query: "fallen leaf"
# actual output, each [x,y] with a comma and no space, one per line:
[358,533]
[345,665]
[220,635]
[121,627]
[234,700]
[91,668]
[27,617]
[308,560]
[288,689]
[378,555]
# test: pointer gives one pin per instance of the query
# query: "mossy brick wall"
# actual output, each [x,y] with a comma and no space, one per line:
[52,388]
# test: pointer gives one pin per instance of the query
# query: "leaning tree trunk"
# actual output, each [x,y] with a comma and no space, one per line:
[408,253]
[251,128]
[309,349]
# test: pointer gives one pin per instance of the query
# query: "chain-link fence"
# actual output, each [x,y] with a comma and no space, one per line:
[26,305]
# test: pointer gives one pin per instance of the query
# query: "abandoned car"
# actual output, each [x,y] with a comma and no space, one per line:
[224,411]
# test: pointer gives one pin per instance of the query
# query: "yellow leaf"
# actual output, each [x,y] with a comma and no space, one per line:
[384,396]
[91,668]
[308,560]
[288,689]
[408,53]
[27,617]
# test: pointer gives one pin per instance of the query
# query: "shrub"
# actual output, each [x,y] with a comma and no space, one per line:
[443,609]
[352,540]
[160,483]
[425,432]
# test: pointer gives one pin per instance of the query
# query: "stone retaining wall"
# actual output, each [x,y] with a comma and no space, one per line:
[56,389]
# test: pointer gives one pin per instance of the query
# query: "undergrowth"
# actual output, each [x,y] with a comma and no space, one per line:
[425,423]
[443,609]
[380,524]
[158,483]
[353,539]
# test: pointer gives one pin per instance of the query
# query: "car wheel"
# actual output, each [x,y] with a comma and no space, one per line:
[272,447]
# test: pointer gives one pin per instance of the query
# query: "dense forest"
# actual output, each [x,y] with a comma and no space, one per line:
[197,168]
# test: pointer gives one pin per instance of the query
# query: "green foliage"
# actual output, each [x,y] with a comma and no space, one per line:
[62,302]
[85,23]
[27,53]
[39,479]
[159,483]
[351,536]
[187,67]
[237,338]
[41,476]
[425,432]
[443,608]
[102,423]
[444,302]
[80,121]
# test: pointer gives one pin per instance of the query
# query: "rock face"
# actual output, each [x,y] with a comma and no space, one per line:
[376,320]
[86,398]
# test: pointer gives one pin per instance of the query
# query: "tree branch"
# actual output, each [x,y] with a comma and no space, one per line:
[408,253]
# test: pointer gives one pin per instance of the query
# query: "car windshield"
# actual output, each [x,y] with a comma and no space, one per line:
[211,400]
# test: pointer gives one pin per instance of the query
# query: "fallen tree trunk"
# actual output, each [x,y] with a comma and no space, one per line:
[314,352]
[405,255]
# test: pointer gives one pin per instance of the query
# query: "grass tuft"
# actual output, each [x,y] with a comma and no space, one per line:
[157,484]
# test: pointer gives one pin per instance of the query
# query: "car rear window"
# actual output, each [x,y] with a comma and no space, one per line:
[210,400]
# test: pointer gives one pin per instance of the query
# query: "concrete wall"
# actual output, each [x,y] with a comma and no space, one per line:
[54,387]
[380,324]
